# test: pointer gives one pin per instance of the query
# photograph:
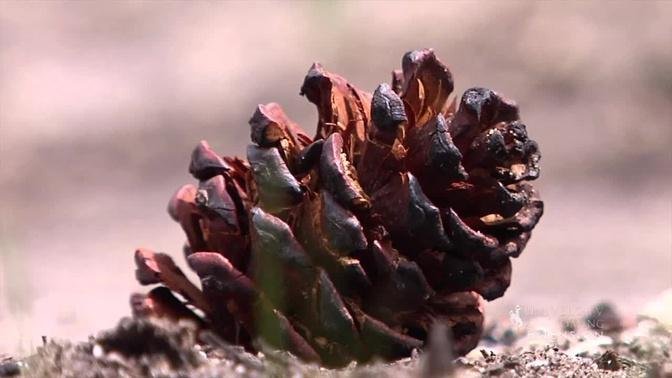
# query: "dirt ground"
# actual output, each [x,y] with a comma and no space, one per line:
[542,347]
[101,104]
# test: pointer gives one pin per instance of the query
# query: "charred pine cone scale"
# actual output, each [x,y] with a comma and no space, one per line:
[403,211]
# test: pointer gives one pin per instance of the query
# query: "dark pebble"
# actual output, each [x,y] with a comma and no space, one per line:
[9,369]
[495,369]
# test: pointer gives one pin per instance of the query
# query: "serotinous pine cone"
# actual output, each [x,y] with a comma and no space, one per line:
[403,211]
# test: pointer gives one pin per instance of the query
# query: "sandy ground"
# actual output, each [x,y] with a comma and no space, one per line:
[101,104]
[140,348]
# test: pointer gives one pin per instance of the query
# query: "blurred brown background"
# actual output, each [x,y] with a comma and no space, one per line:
[102,102]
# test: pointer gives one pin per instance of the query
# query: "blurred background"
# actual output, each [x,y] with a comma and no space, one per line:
[101,104]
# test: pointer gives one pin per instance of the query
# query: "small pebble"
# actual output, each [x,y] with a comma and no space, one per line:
[536,364]
[10,368]
[511,363]
[240,369]
[98,351]
[495,369]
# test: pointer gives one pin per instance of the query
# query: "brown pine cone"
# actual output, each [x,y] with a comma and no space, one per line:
[403,211]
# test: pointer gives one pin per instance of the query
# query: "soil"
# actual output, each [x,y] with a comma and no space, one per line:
[598,347]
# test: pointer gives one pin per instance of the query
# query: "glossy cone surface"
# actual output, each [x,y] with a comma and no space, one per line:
[404,211]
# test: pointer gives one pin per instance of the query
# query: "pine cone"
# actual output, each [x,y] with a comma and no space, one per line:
[402,212]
